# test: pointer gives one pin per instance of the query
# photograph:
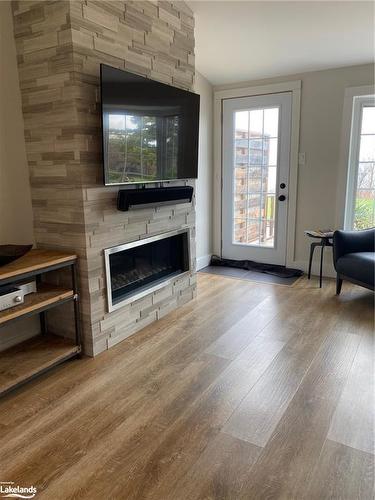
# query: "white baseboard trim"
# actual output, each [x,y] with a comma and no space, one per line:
[203,261]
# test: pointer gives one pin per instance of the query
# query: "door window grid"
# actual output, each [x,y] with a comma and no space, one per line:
[253,153]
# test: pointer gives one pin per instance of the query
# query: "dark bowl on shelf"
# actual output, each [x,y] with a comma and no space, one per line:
[9,253]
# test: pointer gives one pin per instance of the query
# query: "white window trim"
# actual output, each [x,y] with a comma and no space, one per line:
[343,177]
[351,187]
[274,88]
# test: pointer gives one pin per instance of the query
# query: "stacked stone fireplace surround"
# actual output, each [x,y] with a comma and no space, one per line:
[60,45]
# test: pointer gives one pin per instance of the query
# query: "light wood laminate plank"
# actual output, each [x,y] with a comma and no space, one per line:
[219,472]
[232,342]
[353,420]
[343,473]
[259,413]
[288,459]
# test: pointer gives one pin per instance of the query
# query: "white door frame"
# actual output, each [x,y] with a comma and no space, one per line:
[276,253]
[295,88]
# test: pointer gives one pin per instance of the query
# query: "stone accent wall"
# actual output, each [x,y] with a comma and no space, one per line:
[60,46]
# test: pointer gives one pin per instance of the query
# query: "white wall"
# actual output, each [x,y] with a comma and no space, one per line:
[16,223]
[322,102]
[204,195]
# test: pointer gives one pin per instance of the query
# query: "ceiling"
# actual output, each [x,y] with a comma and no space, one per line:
[247,40]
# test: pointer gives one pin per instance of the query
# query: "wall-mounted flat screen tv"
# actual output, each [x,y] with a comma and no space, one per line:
[150,129]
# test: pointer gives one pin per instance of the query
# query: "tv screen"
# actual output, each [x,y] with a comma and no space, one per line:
[150,129]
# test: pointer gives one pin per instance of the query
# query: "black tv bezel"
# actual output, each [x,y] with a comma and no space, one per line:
[154,181]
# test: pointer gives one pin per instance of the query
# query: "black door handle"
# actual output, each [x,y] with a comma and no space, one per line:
[282,197]
[283,185]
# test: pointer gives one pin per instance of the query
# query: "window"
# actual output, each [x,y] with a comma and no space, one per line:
[360,196]
[140,148]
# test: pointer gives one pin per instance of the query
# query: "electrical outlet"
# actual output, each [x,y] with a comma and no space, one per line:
[301,158]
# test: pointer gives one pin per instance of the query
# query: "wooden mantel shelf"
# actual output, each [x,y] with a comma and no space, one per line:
[33,261]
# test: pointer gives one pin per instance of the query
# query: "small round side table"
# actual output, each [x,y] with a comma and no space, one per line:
[325,241]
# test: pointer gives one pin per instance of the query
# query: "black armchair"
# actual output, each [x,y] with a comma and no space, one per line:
[354,257]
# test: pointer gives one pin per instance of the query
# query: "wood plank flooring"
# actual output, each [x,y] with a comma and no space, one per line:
[251,391]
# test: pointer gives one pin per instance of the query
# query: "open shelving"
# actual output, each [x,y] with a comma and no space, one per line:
[28,359]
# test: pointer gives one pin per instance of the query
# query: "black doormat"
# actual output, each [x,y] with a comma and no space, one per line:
[250,265]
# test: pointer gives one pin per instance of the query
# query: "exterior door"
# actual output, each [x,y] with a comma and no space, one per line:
[256,151]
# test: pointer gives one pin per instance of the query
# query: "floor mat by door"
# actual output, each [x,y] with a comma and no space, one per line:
[250,265]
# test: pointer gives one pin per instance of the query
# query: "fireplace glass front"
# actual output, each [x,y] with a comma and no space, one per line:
[135,269]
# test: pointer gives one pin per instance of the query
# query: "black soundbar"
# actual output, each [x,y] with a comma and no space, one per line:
[141,198]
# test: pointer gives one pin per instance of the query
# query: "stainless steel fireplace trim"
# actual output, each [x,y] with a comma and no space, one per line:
[136,243]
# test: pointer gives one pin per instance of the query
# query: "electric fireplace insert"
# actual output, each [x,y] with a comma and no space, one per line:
[137,268]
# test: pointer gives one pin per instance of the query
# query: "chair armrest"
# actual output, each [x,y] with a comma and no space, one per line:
[352,242]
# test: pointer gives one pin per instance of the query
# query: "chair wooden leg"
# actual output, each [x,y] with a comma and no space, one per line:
[338,284]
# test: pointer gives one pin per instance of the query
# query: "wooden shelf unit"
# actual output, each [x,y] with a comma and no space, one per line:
[28,359]
[37,302]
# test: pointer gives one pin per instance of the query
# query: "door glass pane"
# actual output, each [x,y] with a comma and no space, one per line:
[256,144]
[269,212]
[240,207]
[254,202]
[253,228]
[271,152]
[256,141]
[271,122]
[271,179]
[266,232]
[242,124]
[255,179]
[240,178]
[240,230]
[256,123]
[255,157]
